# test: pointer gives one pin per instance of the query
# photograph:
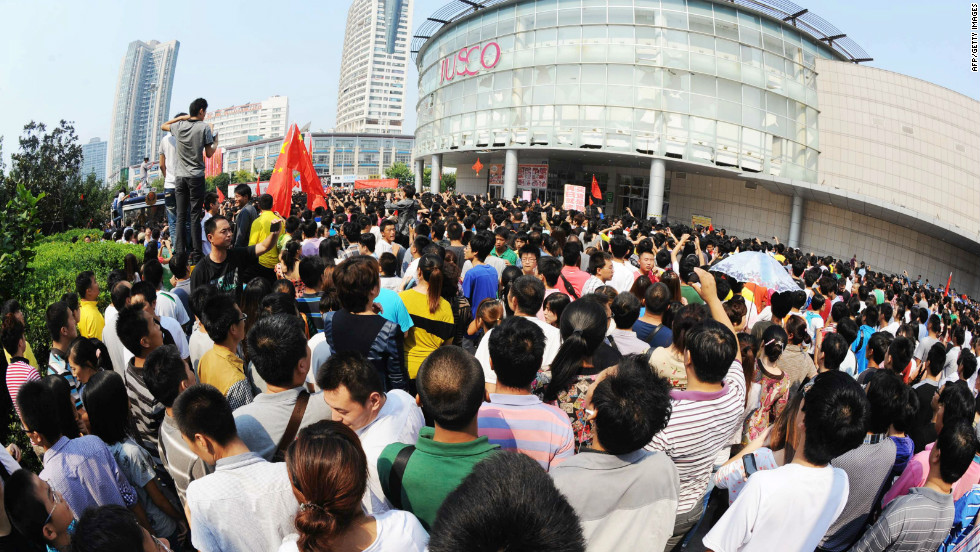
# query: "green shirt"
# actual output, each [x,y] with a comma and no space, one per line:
[691,295]
[507,255]
[434,470]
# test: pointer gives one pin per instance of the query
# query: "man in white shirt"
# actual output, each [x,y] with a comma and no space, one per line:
[354,391]
[952,356]
[168,168]
[525,298]
[623,272]
[168,304]
[247,503]
[791,507]
[119,292]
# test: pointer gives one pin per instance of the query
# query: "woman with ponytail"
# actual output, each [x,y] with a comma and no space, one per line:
[770,385]
[430,312]
[795,362]
[328,470]
[577,364]
[288,266]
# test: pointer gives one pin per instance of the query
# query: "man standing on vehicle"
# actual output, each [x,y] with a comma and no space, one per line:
[194,138]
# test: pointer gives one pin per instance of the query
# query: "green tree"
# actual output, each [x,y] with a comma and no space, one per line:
[242,176]
[94,200]
[447,182]
[266,175]
[402,172]
[47,165]
[18,229]
[157,184]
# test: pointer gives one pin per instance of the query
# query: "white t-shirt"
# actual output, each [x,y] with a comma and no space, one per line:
[117,351]
[168,147]
[321,352]
[552,341]
[169,305]
[623,276]
[788,508]
[398,531]
[849,366]
[199,344]
[399,421]
[205,244]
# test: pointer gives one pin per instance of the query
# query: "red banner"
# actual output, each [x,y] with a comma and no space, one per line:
[376,183]
[213,164]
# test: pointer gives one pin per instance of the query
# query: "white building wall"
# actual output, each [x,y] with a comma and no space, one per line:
[266,119]
[741,211]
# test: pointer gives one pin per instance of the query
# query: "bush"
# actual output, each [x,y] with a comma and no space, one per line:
[56,263]
[78,234]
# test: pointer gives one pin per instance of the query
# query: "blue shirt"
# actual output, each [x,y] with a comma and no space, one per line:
[394,309]
[85,473]
[643,330]
[480,283]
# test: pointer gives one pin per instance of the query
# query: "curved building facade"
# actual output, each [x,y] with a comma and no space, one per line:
[755,114]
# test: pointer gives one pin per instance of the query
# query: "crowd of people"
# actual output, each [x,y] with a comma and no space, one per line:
[440,372]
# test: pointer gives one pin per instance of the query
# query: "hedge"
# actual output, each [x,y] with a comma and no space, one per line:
[67,237]
[56,264]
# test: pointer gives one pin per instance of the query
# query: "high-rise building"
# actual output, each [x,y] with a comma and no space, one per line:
[240,124]
[93,158]
[142,104]
[374,67]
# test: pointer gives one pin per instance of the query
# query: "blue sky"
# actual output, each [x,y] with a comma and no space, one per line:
[61,59]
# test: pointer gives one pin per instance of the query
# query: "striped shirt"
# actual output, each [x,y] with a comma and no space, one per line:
[58,364]
[19,372]
[701,424]
[524,424]
[309,304]
[178,459]
[146,411]
[920,520]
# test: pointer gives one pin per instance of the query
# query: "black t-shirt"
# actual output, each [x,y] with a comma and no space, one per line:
[923,430]
[353,332]
[225,276]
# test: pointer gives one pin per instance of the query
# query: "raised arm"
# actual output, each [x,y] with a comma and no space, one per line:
[166,126]
[709,293]
[677,249]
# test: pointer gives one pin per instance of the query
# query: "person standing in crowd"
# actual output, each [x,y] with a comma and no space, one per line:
[259,230]
[109,418]
[81,470]
[625,496]
[922,519]
[791,507]
[353,390]
[181,282]
[650,326]
[479,282]
[166,376]
[142,293]
[923,429]
[194,140]
[38,512]
[479,513]
[312,275]
[432,316]
[327,468]
[140,333]
[19,371]
[407,208]
[601,269]
[451,391]
[623,272]
[357,328]
[500,248]
[120,292]
[144,174]
[12,307]
[247,503]
[515,418]
[63,330]
[91,322]
[571,279]
[167,304]
[224,267]
[221,366]
[711,407]
[277,349]
[625,312]
[168,169]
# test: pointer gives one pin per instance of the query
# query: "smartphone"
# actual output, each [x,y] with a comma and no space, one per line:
[275,226]
[748,461]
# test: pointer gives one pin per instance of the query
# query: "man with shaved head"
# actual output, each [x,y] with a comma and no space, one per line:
[451,390]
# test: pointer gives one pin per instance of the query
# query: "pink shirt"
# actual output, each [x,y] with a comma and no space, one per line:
[918,469]
[575,276]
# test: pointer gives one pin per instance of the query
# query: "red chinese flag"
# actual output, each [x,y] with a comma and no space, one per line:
[258,178]
[318,202]
[221,195]
[948,282]
[595,188]
[293,156]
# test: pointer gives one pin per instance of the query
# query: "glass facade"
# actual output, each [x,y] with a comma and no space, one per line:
[689,79]
[365,156]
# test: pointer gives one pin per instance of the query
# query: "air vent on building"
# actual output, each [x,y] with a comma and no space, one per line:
[680,175]
[961,148]
[906,129]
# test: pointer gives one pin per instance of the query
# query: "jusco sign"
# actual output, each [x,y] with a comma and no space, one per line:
[469,61]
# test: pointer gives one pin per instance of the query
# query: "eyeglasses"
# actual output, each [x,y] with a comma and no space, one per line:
[55,499]
[160,546]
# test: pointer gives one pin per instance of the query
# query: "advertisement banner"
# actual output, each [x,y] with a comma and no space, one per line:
[574,198]
[532,176]
[526,195]
[376,183]
[699,220]
[496,174]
